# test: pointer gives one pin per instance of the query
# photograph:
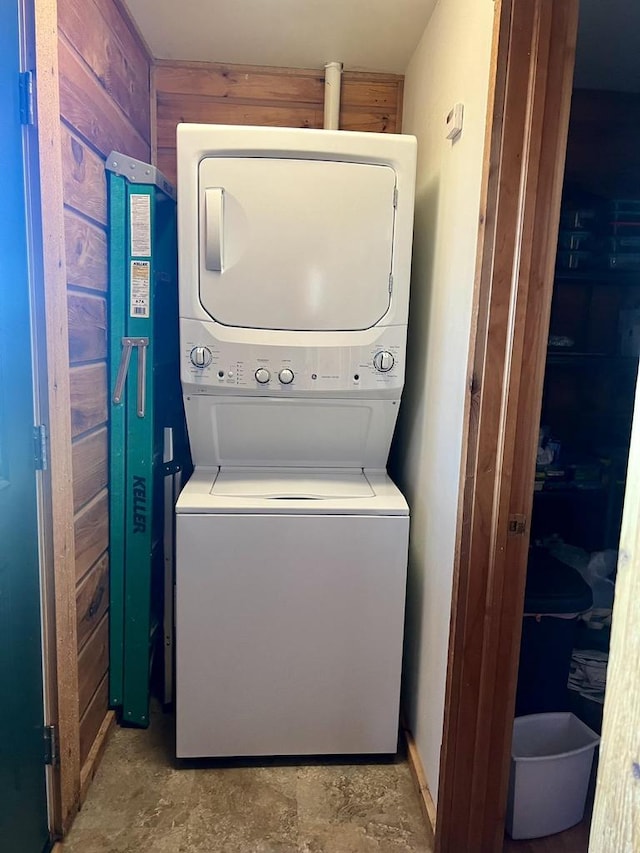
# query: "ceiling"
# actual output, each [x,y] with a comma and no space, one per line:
[365,35]
[608,53]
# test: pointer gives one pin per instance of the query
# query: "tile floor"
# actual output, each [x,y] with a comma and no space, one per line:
[143,801]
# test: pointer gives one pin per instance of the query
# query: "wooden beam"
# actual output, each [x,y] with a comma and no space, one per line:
[422,787]
[90,766]
[529,102]
[59,422]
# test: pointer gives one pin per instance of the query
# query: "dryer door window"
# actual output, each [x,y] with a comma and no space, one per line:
[301,245]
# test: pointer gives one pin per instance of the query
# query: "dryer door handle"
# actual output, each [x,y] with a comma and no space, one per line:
[214,227]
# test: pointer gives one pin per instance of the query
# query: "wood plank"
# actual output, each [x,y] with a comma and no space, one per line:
[133,29]
[59,577]
[367,121]
[166,162]
[91,534]
[92,721]
[90,467]
[93,662]
[87,327]
[92,600]
[235,83]
[173,109]
[122,69]
[91,765]
[85,186]
[422,787]
[370,94]
[88,397]
[88,108]
[86,253]
[616,814]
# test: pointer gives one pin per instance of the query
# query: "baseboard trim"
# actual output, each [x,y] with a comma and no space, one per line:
[92,763]
[420,781]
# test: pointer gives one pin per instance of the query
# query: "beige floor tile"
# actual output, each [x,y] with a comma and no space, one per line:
[143,801]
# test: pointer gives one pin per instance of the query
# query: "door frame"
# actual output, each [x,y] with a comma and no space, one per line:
[529,102]
[56,504]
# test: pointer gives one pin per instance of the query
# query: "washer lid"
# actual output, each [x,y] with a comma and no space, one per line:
[287,484]
[295,492]
[295,244]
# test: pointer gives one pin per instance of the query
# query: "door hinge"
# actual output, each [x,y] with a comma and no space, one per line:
[51,751]
[395,196]
[517,525]
[40,447]
[390,282]
[27,108]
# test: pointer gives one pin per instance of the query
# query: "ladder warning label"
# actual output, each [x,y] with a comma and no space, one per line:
[139,288]
[140,217]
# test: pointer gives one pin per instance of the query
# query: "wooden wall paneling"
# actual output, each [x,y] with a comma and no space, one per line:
[92,761]
[92,600]
[251,95]
[63,690]
[166,161]
[87,327]
[173,109]
[92,719]
[90,466]
[88,108]
[93,662]
[88,397]
[85,187]
[86,253]
[368,121]
[524,174]
[241,83]
[111,52]
[373,105]
[91,533]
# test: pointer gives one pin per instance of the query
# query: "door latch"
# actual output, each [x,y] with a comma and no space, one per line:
[517,525]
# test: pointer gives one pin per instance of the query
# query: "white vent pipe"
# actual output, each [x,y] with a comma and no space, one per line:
[332,79]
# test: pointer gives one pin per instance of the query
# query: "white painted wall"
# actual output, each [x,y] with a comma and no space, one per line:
[450,64]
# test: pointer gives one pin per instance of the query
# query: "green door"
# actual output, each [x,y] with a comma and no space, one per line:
[23,798]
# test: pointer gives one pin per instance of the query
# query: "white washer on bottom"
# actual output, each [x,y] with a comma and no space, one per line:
[290,593]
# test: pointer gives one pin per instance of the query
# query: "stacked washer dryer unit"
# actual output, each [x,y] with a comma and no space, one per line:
[294,256]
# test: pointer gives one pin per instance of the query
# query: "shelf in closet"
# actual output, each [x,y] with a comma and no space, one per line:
[603,277]
[586,359]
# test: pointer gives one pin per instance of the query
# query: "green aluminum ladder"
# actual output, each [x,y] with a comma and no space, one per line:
[148,441]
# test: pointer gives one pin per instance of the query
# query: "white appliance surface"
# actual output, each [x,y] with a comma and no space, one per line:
[325,268]
[287,229]
[291,540]
[235,431]
[291,492]
[289,630]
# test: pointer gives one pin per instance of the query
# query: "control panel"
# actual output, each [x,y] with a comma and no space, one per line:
[209,366]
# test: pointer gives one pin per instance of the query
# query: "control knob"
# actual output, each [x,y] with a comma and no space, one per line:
[383,361]
[201,356]
[262,375]
[286,376]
